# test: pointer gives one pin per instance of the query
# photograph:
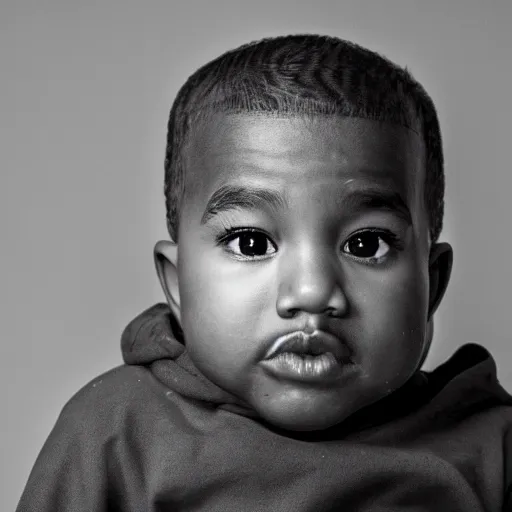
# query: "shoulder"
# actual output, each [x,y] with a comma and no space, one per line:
[469,377]
[98,429]
[103,405]
[466,404]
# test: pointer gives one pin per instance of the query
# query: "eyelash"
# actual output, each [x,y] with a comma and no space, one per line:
[390,238]
[231,234]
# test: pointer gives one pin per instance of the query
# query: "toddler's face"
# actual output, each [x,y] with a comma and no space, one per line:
[311,227]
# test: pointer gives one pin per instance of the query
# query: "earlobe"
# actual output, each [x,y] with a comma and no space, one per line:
[166,262]
[440,268]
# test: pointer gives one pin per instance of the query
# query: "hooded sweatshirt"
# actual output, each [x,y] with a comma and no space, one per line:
[156,435]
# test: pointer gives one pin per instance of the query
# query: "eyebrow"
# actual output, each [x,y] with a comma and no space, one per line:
[230,197]
[378,199]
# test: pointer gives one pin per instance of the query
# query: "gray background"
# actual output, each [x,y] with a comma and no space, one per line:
[85,90]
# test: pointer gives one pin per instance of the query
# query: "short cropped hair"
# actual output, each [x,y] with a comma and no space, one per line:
[304,75]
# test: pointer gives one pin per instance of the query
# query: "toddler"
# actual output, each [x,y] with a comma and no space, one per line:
[304,189]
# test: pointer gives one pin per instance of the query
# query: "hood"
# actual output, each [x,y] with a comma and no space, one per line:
[467,381]
[155,339]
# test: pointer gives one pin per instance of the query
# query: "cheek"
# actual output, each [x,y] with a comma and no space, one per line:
[222,307]
[402,300]
[231,291]
[393,309]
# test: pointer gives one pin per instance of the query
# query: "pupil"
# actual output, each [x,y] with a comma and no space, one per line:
[364,245]
[253,245]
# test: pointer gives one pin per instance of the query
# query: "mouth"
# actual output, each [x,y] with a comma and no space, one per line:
[318,357]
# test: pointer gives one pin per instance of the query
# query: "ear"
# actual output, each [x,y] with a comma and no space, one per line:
[440,269]
[166,263]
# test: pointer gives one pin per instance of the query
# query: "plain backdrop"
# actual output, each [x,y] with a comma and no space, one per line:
[85,90]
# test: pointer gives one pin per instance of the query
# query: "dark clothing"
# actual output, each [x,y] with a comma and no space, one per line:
[156,435]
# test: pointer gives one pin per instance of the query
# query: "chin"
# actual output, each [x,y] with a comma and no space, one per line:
[304,423]
[302,418]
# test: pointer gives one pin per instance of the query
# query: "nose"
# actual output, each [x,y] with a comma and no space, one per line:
[311,283]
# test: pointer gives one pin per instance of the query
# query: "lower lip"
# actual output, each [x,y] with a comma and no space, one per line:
[321,368]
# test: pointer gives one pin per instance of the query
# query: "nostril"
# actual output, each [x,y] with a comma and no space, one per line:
[292,312]
[332,312]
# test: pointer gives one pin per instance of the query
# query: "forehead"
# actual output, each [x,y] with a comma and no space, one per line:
[293,153]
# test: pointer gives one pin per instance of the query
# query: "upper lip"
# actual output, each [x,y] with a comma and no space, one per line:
[300,342]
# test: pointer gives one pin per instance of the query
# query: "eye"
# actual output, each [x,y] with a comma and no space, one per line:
[249,244]
[368,245]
